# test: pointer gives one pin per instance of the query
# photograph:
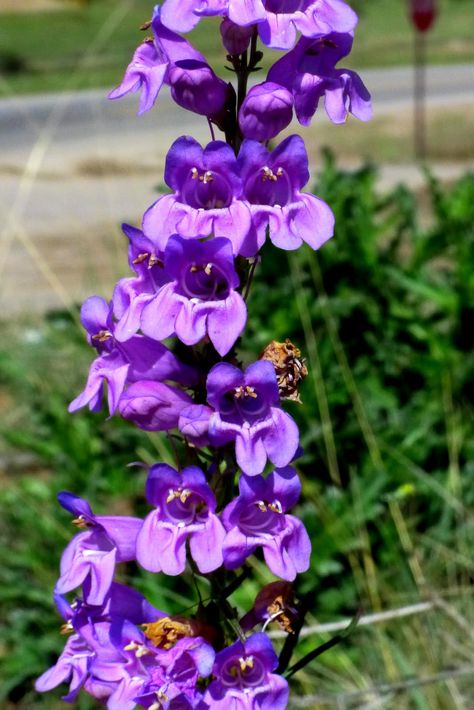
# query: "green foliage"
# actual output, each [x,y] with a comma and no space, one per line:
[385,423]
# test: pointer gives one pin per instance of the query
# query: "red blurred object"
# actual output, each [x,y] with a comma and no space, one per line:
[423,14]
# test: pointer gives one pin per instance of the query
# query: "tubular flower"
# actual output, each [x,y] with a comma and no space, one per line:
[119,364]
[278,21]
[244,677]
[153,406]
[184,508]
[257,519]
[169,59]
[271,187]
[201,296]
[91,556]
[309,72]
[206,198]
[247,411]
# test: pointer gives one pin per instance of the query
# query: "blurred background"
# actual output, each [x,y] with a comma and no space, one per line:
[383,315]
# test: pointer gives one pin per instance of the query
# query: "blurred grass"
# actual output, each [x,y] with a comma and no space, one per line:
[78,58]
[386,421]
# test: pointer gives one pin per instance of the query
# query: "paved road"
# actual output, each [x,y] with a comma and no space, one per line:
[72,166]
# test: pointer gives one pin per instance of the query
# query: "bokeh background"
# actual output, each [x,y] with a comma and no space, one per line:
[383,315]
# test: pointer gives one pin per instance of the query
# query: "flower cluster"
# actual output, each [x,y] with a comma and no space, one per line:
[167,357]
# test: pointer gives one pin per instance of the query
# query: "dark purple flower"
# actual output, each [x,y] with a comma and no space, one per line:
[235,38]
[153,406]
[200,298]
[185,509]
[247,411]
[119,364]
[91,556]
[244,677]
[272,183]
[257,519]
[170,59]
[173,680]
[267,109]
[278,20]
[207,188]
[309,72]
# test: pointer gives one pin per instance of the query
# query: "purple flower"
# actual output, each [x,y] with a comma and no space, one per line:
[194,424]
[170,59]
[235,38]
[91,556]
[207,188]
[72,666]
[153,406]
[272,182]
[185,508]
[309,72]
[266,110]
[173,680]
[119,364]
[244,678]
[247,411]
[257,519]
[278,20]
[200,297]
[132,293]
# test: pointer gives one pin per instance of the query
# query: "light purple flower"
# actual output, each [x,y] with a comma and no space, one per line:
[278,20]
[174,679]
[247,411]
[185,509]
[267,109]
[257,519]
[172,60]
[309,72]
[91,556]
[272,183]
[119,364]
[72,666]
[207,188]
[153,406]
[194,424]
[200,298]
[244,677]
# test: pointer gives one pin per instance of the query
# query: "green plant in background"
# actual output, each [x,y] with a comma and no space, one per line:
[387,452]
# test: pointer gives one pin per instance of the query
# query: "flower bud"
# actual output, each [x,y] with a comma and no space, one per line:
[267,110]
[195,87]
[153,406]
[235,38]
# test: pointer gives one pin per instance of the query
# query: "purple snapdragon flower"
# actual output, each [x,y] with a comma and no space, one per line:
[247,411]
[173,680]
[119,364]
[184,509]
[201,296]
[272,183]
[244,677]
[309,72]
[91,556]
[206,200]
[267,109]
[278,20]
[170,59]
[257,519]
